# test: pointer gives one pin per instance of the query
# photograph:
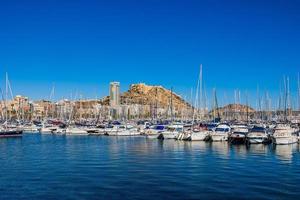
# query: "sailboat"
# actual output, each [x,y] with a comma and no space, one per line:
[284,133]
[197,132]
[10,132]
[6,130]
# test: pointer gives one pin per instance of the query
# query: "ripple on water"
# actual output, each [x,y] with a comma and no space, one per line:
[82,167]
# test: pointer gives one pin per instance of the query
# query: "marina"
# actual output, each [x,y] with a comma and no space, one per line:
[149,100]
[158,144]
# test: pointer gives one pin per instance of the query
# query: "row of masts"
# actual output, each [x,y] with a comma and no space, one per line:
[199,107]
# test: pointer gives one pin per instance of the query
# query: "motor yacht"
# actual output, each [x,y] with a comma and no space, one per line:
[171,132]
[220,133]
[197,133]
[238,134]
[154,131]
[285,134]
[258,134]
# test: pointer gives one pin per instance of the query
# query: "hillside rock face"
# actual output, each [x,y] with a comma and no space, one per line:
[147,95]
[233,111]
[153,95]
[237,108]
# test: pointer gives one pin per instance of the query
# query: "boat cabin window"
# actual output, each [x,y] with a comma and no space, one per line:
[159,127]
[222,129]
[258,129]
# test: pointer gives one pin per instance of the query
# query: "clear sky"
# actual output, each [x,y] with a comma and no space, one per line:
[83,45]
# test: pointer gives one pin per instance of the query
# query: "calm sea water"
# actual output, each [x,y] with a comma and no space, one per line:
[90,167]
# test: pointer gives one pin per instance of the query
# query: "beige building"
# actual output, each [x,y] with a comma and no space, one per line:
[17,108]
[42,108]
[114,94]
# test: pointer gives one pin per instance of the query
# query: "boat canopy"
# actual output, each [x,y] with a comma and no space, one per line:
[258,129]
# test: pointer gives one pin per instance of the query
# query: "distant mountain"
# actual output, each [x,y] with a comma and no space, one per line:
[231,109]
[152,95]
[143,94]
[236,108]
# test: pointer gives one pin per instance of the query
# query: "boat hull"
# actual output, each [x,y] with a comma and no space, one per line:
[219,137]
[152,136]
[257,140]
[285,140]
[168,135]
[17,133]
[237,140]
[198,136]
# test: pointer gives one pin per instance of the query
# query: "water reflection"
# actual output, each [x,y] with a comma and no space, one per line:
[220,148]
[196,146]
[259,149]
[118,167]
[285,152]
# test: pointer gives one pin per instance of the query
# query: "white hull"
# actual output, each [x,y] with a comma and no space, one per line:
[196,136]
[121,132]
[75,131]
[47,130]
[199,136]
[30,128]
[170,135]
[112,131]
[127,133]
[285,140]
[152,136]
[256,140]
[99,132]
[285,134]
[218,137]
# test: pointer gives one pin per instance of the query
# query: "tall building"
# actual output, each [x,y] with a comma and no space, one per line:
[114,94]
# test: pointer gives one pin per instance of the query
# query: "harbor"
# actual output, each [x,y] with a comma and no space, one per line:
[149,100]
[157,113]
[158,145]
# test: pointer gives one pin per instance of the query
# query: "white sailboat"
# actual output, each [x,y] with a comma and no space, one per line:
[75,131]
[154,131]
[172,132]
[197,132]
[7,130]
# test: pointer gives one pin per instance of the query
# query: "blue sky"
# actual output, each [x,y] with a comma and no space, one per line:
[80,46]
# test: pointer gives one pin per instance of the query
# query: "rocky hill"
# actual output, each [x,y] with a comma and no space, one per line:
[143,94]
[153,95]
[234,108]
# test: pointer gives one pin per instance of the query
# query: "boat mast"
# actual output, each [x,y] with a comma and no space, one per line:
[156,104]
[285,99]
[197,98]
[200,94]
[6,96]
[2,106]
[247,108]
[288,97]
[216,109]
[279,103]
[172,117]
[298,92]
